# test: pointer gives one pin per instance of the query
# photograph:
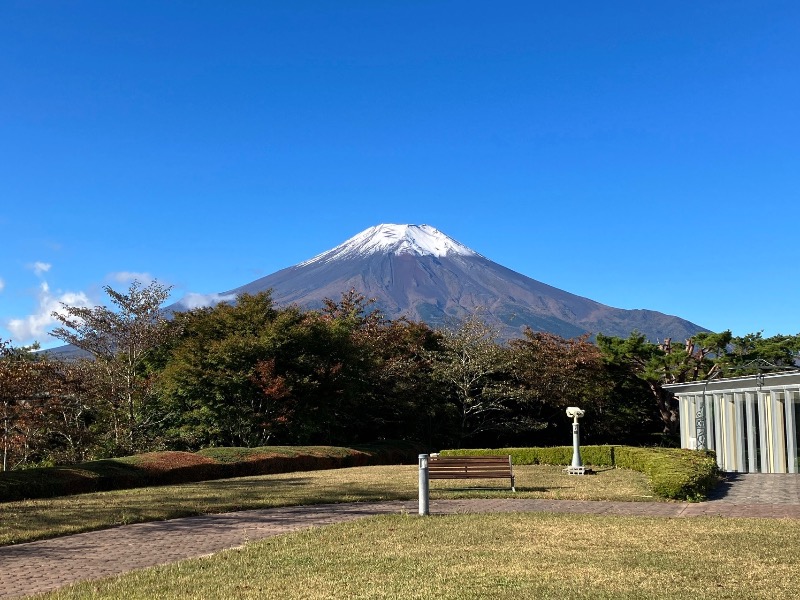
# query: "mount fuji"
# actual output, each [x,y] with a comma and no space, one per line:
[418,272]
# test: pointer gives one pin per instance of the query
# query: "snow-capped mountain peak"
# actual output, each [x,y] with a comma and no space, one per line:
[421,240]
[415,271]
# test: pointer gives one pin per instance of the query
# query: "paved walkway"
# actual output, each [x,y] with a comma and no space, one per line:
[755,488]
[49,564]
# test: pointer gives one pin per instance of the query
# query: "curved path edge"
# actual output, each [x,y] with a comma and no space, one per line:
[46,565]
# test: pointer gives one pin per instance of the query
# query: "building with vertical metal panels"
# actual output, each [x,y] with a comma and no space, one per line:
[752,422]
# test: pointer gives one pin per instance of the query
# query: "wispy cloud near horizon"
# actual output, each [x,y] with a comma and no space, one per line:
[193,300]
[34,327]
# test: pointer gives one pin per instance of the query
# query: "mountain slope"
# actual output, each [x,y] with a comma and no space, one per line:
[419,272]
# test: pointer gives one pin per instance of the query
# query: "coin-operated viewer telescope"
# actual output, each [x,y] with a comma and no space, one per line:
[577,467]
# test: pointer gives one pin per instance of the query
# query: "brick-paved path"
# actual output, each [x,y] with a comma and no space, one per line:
[46,565]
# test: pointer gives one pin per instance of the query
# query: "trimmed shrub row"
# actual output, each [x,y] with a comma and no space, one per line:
[674,473]
[556,455]
[168,468]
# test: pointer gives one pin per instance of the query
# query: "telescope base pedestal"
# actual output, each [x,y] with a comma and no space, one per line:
[577,471]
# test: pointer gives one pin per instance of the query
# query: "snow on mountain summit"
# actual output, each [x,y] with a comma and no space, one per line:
[417,272]
[395,239]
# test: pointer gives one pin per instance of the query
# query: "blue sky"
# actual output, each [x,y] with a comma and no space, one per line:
[645,155]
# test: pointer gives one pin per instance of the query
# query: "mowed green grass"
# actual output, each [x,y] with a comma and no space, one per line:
[498,556]
[38,519]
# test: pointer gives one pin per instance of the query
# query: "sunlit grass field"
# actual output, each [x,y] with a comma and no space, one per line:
[498,556]
[37,519]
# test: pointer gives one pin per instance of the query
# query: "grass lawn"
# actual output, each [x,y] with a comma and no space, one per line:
[489,556]
[37,519]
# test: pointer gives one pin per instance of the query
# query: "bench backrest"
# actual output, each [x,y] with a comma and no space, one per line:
[467,467]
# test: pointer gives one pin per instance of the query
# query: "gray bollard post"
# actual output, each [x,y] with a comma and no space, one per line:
[423,485]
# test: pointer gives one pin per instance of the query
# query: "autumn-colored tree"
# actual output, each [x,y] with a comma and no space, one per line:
[278,407]
[119,339]
[552,373]
[406,400]
[18,391]
[36,391]
[76,414]
[359,377]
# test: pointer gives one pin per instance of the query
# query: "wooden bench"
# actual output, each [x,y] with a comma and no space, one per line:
[471,467]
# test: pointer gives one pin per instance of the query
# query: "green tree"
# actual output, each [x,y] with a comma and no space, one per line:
[208,376]
[657,364]
[250,374]
[349,375]
[753,352]
[637,358]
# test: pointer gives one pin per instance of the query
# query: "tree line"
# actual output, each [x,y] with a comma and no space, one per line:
[251,374]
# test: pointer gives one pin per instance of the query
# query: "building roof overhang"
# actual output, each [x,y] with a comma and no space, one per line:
[747,382]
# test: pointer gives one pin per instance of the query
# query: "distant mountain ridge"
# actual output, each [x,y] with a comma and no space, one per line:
[418,272]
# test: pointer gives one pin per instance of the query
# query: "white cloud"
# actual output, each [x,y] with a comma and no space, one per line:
[193,300]
[40,267]
[130,276]
[35,326]
[2,284]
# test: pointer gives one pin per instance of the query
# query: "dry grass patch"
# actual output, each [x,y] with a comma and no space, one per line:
[549,482]
[37,519]
[489,556]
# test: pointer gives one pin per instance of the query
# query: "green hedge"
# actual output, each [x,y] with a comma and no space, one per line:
[674,473]
[166,468]
[557,455]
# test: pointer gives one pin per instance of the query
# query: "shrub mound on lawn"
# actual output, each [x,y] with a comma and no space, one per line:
[674,473]
[165,468]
